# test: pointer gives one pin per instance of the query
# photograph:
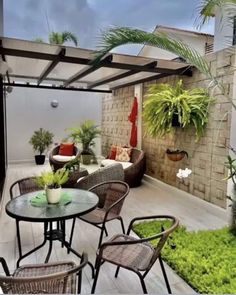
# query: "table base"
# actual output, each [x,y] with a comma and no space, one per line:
[50,235]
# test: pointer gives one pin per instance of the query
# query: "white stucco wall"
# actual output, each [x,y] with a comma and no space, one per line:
[30,109]
[224,27]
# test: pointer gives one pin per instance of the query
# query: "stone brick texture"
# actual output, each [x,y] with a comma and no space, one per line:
[206,157]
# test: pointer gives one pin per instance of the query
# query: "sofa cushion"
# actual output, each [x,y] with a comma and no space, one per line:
[65,159]
[123,154]
[108,162]
[112,154]
[66,149]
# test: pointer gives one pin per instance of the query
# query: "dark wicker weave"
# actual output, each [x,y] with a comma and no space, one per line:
[56,164]
[51,278]
[23,186]
[135,172]
[111,198]
[74,176]
[135,254]
[111,172]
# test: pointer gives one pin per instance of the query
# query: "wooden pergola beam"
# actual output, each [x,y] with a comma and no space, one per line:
[119,76]
[88,70]
[51,65]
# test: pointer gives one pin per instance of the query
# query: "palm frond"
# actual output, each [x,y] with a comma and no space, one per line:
[68,36]
[115,37]
[207,8]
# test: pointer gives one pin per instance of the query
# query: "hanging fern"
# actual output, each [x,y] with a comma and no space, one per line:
[164,101]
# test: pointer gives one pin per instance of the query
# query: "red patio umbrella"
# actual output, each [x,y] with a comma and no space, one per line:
[132,118]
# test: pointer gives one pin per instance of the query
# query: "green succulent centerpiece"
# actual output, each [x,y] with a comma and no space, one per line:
[51,182]
[165,102]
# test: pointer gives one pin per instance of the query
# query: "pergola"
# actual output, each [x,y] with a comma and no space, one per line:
[40,65]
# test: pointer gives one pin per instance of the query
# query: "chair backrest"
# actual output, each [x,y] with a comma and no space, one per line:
[24,185]
[136,155]
[37,280]
[163,235]
[110,192]
[111,172]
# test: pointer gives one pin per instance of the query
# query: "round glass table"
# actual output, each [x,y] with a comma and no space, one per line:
[22,208]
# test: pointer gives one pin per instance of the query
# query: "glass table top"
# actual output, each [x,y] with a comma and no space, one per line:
[81,203]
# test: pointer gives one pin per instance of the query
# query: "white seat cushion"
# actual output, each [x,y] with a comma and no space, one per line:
[108,162]
[63,158]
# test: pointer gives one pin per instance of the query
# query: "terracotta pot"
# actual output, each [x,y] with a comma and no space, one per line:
[176,155]
[53,195]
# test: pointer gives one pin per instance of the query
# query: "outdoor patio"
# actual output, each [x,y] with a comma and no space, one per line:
[147,199]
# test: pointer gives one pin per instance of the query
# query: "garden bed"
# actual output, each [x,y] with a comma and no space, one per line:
[206,260]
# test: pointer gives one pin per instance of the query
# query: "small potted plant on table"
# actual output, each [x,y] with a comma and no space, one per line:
[51,182]
[41,140]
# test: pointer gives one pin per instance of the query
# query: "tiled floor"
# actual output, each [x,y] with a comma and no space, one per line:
[145,200]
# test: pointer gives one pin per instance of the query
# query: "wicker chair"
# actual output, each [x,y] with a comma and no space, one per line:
[57,164]
[19,187]
[135,172]
[135,254]
[111,198]
[24,185]
[112,172]
[51,278]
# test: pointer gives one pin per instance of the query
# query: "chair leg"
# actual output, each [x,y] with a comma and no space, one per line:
[106,232]
[98,265]
[117,271]
[79,282]
[71,234]
[100,238]
[165,275]
[122,225]
[142,283]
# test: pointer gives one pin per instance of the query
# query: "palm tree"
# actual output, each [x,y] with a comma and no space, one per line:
[61,38]
[115,37]
[207,7]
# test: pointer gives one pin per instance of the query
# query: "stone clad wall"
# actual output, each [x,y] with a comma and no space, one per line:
[206,157]
[115,110]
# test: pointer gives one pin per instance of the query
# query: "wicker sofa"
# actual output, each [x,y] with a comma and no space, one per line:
[135,172]
[135,169]
[111,172]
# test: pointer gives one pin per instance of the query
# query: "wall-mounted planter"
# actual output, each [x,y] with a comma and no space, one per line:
[175,121]
[176,155]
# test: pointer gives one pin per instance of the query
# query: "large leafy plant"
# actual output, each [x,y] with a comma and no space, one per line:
[231,165]
[165,101]
[41,140]
[85,134]
[52,179]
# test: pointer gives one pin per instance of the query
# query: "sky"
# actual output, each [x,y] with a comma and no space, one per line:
[30,19]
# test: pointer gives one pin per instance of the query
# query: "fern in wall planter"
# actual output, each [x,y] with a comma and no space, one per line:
[165,102]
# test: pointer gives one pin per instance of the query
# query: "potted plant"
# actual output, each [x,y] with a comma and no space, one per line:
[85,134]
[51,182]
[176,155]
[230,164]
[41,140]
[168,105]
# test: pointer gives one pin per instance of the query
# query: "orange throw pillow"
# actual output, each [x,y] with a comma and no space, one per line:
[112,154]
[66,149]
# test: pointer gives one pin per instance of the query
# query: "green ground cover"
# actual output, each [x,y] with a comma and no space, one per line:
[206,260]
